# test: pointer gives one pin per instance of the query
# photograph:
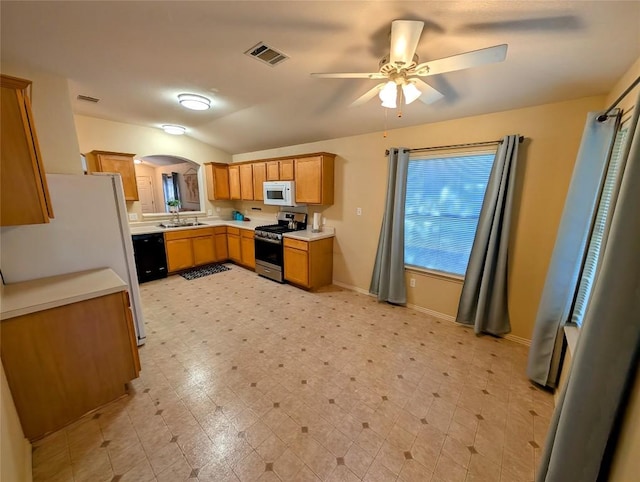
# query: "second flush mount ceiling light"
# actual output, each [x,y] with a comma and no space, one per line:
[194,101]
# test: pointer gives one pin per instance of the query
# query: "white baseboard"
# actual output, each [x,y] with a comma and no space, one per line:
[435,314]
[351,288]
[518,339]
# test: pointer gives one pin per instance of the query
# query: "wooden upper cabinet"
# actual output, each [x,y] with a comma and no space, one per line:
[287,170]
[314,179]
[234,182]
[24,196]
[280,170]
[246,182]
[117,163]
[259,176]
[273,171]
[217,181]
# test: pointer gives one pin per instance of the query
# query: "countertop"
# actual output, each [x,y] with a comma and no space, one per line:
[45,293]
[305,235]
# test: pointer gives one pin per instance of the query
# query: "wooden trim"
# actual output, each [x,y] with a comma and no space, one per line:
[282,158]
[16,83]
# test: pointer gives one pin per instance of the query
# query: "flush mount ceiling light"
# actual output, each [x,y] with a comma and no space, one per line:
[194,101]
[173,129]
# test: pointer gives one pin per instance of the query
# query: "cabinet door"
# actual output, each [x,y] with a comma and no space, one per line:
[203,250]
[273,171]
[259,176]
[234,182]
[309,180]
[179,254]
[246,182]
[248,248]
[121,164]
[233,244]
[286,170]
[217,181]
[222,253]
[296,266]
[24,196]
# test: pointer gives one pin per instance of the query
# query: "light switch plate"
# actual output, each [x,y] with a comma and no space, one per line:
[359,211]
[133,217]
[209,212]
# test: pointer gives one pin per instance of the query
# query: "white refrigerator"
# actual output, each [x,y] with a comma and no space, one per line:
[89,230]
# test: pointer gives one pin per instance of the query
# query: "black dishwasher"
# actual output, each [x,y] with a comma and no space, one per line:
[151,259]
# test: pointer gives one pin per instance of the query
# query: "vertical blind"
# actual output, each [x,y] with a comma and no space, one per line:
[443,201]
[600,228]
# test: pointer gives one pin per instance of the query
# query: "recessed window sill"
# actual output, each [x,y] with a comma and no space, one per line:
[571,334]
[435,274]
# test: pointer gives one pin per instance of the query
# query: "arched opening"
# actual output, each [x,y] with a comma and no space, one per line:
[166,183]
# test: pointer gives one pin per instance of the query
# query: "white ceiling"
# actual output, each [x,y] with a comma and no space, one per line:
[137,56]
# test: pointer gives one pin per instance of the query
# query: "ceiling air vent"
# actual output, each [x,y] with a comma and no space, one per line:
[266,54]
[88,99]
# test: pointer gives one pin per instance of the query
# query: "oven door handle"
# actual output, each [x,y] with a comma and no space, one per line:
[266,240]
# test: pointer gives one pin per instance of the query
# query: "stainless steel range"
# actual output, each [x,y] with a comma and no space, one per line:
[269,244]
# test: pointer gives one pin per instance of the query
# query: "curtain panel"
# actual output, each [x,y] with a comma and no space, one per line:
[583,433]
[483,302]
[568,253]
[387,281]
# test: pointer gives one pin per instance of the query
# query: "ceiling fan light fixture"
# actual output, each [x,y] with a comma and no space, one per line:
[410,92]
[194,101]
[388,95]
[173,129]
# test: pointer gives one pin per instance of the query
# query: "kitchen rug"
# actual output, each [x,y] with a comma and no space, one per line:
[202,271]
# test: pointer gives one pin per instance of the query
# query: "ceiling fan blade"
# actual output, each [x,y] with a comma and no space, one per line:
[405,35]
[429,94]
[475,58]
[367,96]
[349,75]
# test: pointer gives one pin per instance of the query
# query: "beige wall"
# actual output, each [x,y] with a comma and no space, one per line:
[15,450]
[53,118]
[100,134]
[546,161]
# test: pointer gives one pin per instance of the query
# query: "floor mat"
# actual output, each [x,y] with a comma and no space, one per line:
[201,271]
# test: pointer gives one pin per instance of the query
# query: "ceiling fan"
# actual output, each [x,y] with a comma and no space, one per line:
[400,69]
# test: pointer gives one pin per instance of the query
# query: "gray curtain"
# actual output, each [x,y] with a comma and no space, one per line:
[582,434]
[483,302]
[569,250]
[387,281]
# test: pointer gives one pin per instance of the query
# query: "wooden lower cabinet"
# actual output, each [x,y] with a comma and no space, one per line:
[179,254]
[308,264]
[233,243]
[248,248]
[220,241]
[63,362]
[241,247]
[204,250]
[192,247]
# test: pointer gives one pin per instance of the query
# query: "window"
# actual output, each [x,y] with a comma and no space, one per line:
[600,228]
[444,198]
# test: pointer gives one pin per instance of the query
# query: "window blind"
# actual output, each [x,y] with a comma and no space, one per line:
[600,229]
[443,201]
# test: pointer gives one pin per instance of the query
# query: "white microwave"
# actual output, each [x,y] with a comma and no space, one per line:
[279,193]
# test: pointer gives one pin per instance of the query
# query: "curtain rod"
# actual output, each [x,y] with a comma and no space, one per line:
[454,146]
[605,116]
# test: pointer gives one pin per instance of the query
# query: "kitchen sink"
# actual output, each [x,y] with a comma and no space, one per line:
[179,225]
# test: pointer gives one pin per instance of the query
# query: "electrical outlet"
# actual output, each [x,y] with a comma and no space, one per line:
[412,282]
[209,212]
[359,211]
[217,210]
[133,217]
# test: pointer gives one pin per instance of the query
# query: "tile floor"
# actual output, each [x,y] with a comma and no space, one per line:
[246,379]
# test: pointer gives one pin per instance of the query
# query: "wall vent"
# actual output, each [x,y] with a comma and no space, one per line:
[88,98]
[266,54]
